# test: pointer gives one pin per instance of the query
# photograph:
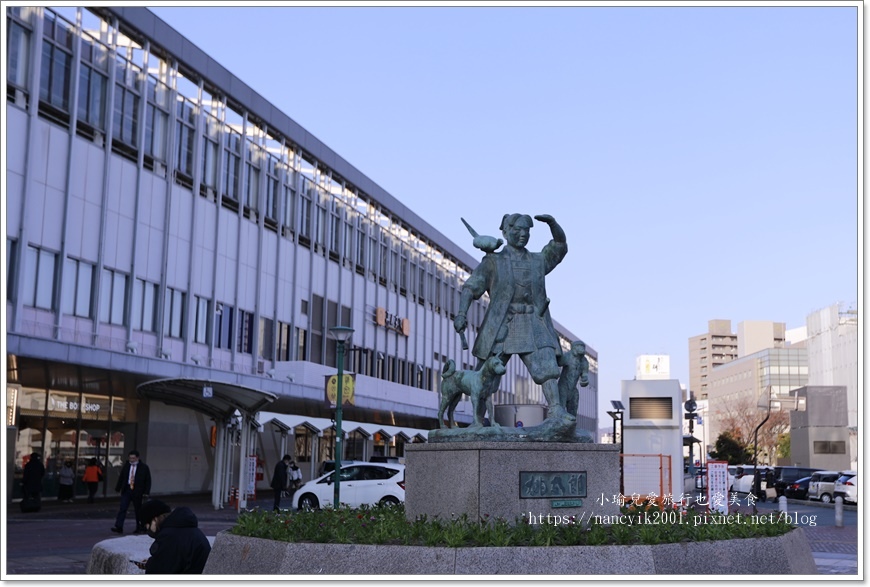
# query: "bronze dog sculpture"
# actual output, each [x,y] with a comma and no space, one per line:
[477,385]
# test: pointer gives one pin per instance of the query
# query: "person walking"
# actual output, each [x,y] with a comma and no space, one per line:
[280,480]
[66,477]
[34,471]
[179,546]
[92,477]
[134,484]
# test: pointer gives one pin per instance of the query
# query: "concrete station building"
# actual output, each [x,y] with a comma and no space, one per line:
[177,250]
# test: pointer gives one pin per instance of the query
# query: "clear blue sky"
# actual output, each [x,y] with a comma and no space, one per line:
[702,160]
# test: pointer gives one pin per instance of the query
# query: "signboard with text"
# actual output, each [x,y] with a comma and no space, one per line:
[717,486]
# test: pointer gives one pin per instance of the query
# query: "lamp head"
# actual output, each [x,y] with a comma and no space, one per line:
[341,333]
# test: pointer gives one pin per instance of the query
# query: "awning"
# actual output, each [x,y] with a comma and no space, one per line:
[291,421]
[221,402]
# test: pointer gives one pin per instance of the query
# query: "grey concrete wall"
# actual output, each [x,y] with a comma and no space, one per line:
[783,555]
[483,479]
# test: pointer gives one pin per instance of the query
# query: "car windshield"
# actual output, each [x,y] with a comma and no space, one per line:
[845,479]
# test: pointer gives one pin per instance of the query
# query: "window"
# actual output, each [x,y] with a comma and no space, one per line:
[210,146]
[39,278]
[113,295]
[185,128]
[246,332]
[283,342]
[289,195]
[145,306]
[78,291]
[18,50]
[203,320]
[361,244]
[93,81]
[156,119]
[304,223]
[334,228]
[272,187]
[829,447]
[54,83]
[252,191]
[224,327]
[11,264]
[266,344]
[125,127]
[173,313]
[301,344]
[232,162]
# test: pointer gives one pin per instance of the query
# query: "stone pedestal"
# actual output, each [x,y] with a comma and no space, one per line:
[507,479]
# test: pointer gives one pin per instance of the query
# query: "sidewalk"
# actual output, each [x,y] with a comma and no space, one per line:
[58,539]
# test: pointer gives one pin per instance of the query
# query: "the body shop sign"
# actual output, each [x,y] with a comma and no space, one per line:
[68,405]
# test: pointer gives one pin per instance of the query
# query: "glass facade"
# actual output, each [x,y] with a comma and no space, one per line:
[69,413]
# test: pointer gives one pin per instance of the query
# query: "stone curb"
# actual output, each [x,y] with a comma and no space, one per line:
[782,555]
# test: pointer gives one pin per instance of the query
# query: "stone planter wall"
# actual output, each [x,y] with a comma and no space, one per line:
[789,554]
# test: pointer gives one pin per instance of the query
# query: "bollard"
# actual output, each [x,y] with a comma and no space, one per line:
[838,512]
[783,504]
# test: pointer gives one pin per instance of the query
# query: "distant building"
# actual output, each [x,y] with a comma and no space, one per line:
[744,384]
[719,345]
[715,347]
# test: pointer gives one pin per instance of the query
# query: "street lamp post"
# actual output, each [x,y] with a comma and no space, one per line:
[342,335]
[617,414]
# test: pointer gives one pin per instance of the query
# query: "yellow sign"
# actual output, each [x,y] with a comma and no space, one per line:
[347,383]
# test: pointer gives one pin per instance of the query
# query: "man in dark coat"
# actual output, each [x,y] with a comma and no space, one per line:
[134,484]
[280,480]
[180,547]
[34,471]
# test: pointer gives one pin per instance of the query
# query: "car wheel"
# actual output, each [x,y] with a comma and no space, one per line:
[826,498]
[389,500]
[308,502]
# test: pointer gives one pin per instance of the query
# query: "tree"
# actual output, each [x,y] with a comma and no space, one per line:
[742,417]
[731,449]
[783,446]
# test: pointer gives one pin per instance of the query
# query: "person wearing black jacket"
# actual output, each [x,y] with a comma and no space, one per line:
[179,547]
[31,483]
[280,480]
[134,484]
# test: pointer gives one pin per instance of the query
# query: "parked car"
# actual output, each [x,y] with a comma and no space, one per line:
[361,484]
[785,476]
[798,489]
[744,476]
[822,485]
[329,466]
[846,486]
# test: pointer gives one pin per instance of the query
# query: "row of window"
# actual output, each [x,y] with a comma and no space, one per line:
[210,322]
[311,211]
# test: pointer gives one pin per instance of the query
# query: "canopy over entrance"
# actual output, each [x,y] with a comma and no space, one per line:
[221,402]
[233,408]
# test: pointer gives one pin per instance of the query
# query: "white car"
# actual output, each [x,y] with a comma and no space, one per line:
[361,484]
[847,486]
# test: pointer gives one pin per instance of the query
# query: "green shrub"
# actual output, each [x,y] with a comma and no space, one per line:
[387,525]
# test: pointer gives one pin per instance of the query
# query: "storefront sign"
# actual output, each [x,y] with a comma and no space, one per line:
[391,322]
[550,484]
